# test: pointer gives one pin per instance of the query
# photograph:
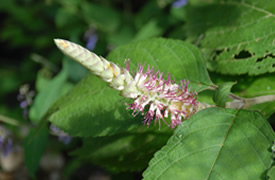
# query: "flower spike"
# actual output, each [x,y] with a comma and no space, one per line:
[152,95]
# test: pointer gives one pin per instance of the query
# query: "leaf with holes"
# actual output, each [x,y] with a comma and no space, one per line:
[237,37]
[182,60]
[214,143]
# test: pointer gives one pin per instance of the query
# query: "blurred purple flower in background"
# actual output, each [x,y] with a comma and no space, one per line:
[6,142]
[62,136]
[25,97]
[8,147]
[65,139]
[92,42]
[91,38]
[179,3]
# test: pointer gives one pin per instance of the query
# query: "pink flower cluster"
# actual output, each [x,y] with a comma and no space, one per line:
[161,98]
[153,96]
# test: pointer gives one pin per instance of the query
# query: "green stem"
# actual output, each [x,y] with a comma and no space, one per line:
[239,102]
[9,120]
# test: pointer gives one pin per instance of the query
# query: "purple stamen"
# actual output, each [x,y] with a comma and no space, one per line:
[164,97]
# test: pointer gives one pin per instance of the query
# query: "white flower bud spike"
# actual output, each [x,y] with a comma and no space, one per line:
[149,90]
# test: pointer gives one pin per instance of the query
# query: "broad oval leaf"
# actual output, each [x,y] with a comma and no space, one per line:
[237,37]
[180,59]
[92,109]
[216,144]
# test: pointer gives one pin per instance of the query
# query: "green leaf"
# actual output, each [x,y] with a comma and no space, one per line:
[92,109]
[149,11]
[75,71]
[221,95]
[259,86]
[71,167]
[124,152]
[105,18]
[42,80]
[46,97]
[180,59]
[249,87]
[271,173]
[237,37]
[149,30]
[65,17]
[216,144]
[267,109]
[178,13]
[34,146]
[122,36]
[154,28]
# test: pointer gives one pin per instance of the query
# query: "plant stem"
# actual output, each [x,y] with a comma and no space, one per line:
[9,120]
[245,103]
[258,100]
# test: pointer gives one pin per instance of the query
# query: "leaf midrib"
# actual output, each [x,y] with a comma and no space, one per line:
[252,7]
[221,147]
[176,56]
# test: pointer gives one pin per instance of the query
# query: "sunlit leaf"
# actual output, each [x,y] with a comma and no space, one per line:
[181,60]
[216,144]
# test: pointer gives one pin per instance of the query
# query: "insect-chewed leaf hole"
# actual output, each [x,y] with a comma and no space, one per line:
[243,55]
[266,56]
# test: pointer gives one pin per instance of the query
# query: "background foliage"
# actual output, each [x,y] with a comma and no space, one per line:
[221,47]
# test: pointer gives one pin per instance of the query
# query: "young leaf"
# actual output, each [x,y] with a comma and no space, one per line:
[237,37]
[216,144]
[221,95]
[48,96]
[182,60]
